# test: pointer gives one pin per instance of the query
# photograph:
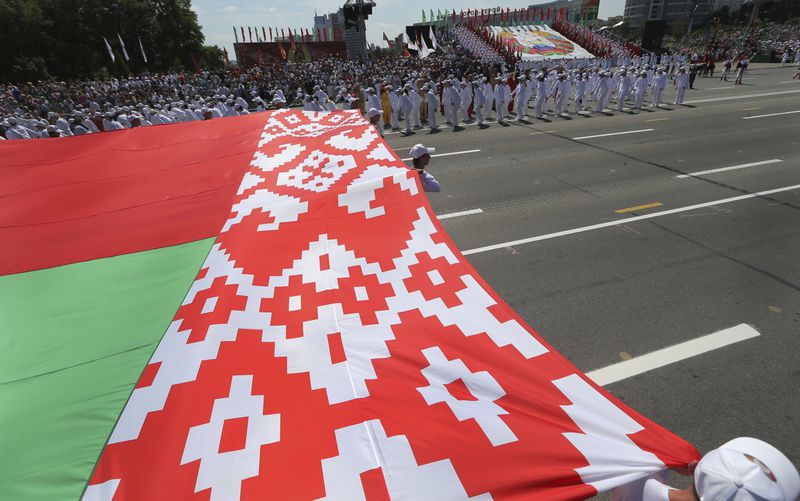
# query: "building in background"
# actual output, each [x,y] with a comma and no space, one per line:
[333,23]
[694,12]
[732,5]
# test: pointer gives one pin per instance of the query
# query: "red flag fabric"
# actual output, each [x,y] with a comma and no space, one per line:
[548,13]
[242,28]
[291,39]
[283,35]
[250,33]
[282,50]
[325,34]
[264,33]
[270,34]
[561,13]
[319,35]
[344,366]
[225,52]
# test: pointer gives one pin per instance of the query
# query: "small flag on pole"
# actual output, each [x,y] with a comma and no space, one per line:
[235,34]
[122,44]
[141,48]
[110,52]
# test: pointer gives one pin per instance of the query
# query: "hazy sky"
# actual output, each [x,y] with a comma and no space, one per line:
[218,17]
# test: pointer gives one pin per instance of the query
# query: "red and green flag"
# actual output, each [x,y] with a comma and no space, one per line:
[265,307]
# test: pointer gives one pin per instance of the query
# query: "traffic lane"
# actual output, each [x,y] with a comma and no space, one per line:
[572,208]
[506,171]
[747,389]
[690,126]
[601,296]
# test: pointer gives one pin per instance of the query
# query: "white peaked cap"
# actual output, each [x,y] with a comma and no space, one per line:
[746,469]
[420,149]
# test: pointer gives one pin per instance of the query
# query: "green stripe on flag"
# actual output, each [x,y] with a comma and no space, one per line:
[73,341]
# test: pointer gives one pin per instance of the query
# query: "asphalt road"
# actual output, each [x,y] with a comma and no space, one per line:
[607,294]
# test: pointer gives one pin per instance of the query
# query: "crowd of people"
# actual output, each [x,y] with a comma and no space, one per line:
[466,80]
[721,43]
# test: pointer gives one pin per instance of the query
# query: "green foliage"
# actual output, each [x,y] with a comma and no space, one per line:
[64,38]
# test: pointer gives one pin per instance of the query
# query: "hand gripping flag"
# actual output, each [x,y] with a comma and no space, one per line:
[293,322]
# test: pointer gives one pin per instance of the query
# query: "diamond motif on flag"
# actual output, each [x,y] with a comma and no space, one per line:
[223,472]
[483,388]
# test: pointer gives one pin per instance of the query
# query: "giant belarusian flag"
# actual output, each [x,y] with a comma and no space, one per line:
[266,307]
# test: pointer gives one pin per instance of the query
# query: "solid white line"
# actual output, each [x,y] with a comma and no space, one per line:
[612,134]
[625,220]
[462,213]
[789,81]
[447,154]
[733,167]
[720,88]
[743,96]
[771,115]
[672,354]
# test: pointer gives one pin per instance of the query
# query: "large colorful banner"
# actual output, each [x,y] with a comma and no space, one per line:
[334,343]
[538,42]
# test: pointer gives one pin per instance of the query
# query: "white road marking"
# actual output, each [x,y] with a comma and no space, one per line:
[447,154]
[462,213]
[720,88]
[613,134]
[733,167]
[626,220]
[771,115]
[789,81]
[742,96]
[672,354]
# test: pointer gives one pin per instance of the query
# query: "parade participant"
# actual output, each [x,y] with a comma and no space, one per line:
[541,96]
[416,102]
[480,101]
[421,156]
[659,83]
[518,96]
[454,98]
[742,69]
[624,89]
[466,100]
[386,105]
[433,105]
[726,69]
[500,99]
[681,83]
[603,93]
[640,87]
[407,105]
[581,81]
[488,91]
[560,92]
[394,103]
[374,117]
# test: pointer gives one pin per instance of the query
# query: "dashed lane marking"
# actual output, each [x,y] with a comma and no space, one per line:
[639,207]
[672,354]
[627,220]
[733,167]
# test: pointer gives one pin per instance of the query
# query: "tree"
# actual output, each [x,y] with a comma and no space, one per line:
[64,38]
